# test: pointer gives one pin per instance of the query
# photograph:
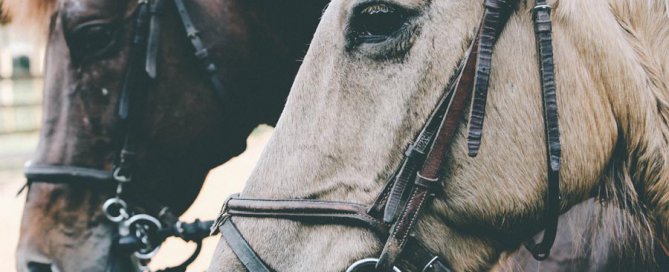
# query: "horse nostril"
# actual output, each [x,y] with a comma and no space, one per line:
[39,267]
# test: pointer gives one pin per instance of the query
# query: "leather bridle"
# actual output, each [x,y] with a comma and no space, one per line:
[393,216]
[139,234]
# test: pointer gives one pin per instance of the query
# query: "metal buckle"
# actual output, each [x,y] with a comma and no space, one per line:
[119,213]
[542,7]
[119,177]
[142,226]
[537,8]
[368,264]
[222,216]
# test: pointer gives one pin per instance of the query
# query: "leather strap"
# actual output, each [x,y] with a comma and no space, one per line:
[133,77]
[414,158]
[66,174]
[153,44]
[330,212]
[133,96]
[241,248]
[495,16]
[201,51]
[543,33]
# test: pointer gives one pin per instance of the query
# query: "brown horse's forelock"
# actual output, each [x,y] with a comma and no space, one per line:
[34,13]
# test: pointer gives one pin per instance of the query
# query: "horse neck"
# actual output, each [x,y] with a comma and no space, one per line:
[269,40]
[630,48]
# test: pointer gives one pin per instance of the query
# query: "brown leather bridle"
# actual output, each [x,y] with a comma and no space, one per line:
[398,207]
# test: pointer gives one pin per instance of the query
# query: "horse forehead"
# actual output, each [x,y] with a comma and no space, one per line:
[90,8]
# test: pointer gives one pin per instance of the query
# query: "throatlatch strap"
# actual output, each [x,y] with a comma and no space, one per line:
[241,248]
[543,32]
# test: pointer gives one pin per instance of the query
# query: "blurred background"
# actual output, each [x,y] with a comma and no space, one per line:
[21,63]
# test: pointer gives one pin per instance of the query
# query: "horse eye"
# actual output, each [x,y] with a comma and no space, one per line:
[91,40]
[374,23]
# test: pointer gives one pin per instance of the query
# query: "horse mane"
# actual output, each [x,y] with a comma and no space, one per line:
[34,13]
[641,160]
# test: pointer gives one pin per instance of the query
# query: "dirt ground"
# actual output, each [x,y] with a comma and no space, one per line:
[221,182]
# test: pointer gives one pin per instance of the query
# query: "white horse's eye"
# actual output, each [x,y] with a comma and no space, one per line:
[376,22]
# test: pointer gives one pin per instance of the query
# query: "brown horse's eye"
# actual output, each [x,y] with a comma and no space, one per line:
[91,40]
[374,23]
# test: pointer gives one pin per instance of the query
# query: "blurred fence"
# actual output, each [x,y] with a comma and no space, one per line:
[20,81]
[20,105]
[21,52]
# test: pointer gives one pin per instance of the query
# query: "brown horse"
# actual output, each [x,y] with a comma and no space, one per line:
[4,18]
[184,128]
[372,77]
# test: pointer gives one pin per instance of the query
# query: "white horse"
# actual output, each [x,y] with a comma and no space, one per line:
[375,71]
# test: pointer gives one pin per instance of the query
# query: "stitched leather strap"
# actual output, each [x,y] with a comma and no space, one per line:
[415,156]
[241,248]
[494,19]
[543,34]
[322,212]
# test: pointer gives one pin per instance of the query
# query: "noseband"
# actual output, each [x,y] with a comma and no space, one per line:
[141,234]
[392,217]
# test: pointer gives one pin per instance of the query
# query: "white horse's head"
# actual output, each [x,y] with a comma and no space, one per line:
[376,70]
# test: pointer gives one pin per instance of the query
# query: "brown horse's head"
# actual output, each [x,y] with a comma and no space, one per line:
[376,70]
[183,129]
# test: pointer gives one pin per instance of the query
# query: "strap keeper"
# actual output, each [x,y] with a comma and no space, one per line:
[413,153]
[539,8]
[430,184]
[202,54]
[498,4]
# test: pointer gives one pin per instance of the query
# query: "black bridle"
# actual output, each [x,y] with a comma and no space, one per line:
[398,207]
[139,234]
